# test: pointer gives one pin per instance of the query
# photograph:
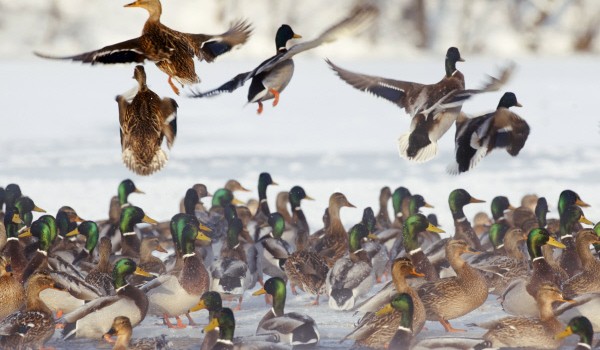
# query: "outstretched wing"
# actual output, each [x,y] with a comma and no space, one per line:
[230,86]
[492,84]
[208,47]
[124,52]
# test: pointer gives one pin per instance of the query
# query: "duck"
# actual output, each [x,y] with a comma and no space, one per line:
[121,328]
[100,276]
[224,322]
[426,238]
[292,328]
[262,214]
[351,277]
[145,121]
[538,332]
[588,280]
[401,304]
[273,75]
[26,206]
[518,297]
[582,327]
[453,297]
[212,302]
[90,230]
[281,205]
[95,318]
[392,237]
[375,331]
[414,225]
[12,292]
[130,243]
[149,262]
[230,274]
[275,251]
[334,243]
[477,137]
[383,216]
[377,252]
[570,220]
[170,50]
[13,249]
[171,295]
[109,226]
[433,108]
[304,267]
[36,318]
[202,192]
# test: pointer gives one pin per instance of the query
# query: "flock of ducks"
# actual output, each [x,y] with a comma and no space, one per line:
[99,279]
[146,119]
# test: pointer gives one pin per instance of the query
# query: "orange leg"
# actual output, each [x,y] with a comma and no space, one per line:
[449,328]
[59,313]
[276,96]
[175,89]
[179,324]
[316,302]
[109,339]
[260,108]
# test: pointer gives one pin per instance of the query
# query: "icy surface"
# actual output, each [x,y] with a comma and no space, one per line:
[60,142]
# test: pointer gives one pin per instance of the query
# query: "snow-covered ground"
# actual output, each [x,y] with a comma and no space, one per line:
[60,142]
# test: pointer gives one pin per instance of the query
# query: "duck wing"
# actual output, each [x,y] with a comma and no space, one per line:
[88,308]
[168,108]
[128,51]
[208,47]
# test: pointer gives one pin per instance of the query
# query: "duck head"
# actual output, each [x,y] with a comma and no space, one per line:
[284,34]
[126,187]
[537,238]
[452,56]
[508,100]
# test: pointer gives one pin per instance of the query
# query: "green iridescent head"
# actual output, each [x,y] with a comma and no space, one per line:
[12,221]
[296,195]
[541,210]
[498,206]
[26,206]
[358,234]
[51,222]
[277,223]
[212,301]
[398,197]
[416,203]
[368,219]
[89,229]
[567,198]
[509,99]
[123,268]
[275,287]
[581,326]
[190,200]
[225,321]
[222,197]
[233,232]
[403,304]
[131,216]
[537,238]
[572,214]
[264,180]
[459,198]
[13,192]
[284,34]
[126,187]
[42,231]
[412,226]
[497,233]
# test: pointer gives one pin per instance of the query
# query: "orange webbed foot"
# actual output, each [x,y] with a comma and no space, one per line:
[276,96]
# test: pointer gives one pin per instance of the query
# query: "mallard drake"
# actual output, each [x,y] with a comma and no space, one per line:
[570,220]
[12,293]
[392,237]
[588,280]
[377,252]
[529,331]
[145,121]
[304,267]
[201,192]
[26,206]
[262,214]
[351,277]
[109,226]
[131,216]
[272,76]
[477,137]
[275,250]
[212,302]
[88,229]
[12,193]
[334,243]
[582,327]
[376,331]
[230,274]
[403,305]
[173,294]
[172,51]
[36,318]
[413,225]
[121,328]
[452,297]
[518,298]
[383,216]
[95,318]
[224,322]
[433,108]
[292,328]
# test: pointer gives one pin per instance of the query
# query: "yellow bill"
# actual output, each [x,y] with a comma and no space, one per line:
[149,220]
[202,237]
[38,209]
[204,228]
[475,200]
[427,205]
[388,309]
[555,243]
[75,232]
[26,233]
[200,306]
[140,272]
[567,332]
[581,203]
[214,324]
[585,220]
[309,198]
[17,219]
[432,228]
[260,292]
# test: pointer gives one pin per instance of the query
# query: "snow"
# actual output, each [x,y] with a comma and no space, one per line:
[60,142]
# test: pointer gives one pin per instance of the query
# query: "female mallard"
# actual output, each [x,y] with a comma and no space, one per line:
[100,276]
[12,293]
[224,322]
[588,280]
[172,295]
[582,327]
[272,76]
[95,318]
[172,51]
[334,243]
[304,267]
[526,332]
[432,107]
[477,137]
[292,328]
[36,319]
[351,277]
[453,297]
[145,121]
[121,328]
[149,262]
[376,331]
[519,296]
[275,250]
[230,274]
[383,216]
[212,302]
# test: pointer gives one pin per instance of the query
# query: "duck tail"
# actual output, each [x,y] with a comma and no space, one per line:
[144,168]
[341,299]
[416,147]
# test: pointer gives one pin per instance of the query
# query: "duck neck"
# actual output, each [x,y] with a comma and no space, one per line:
[450,67]
[154,12]
[584,253]
[302,233]
[546,311]
[457,262]
[33,302]
[278,304]
[104,262]
[122,342]
[410,240]
[400,282]
[336,227]
[585,336]
[458,214]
